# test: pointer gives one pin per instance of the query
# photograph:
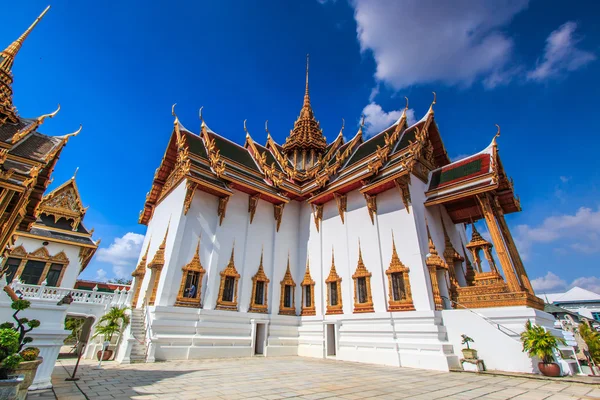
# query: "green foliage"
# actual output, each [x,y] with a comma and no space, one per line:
[466,340]
[74,325]
[592,339]
[112,322]
[121,281]
[13,338]
[538,342]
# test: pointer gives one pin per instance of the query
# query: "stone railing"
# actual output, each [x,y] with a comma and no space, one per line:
[118,298]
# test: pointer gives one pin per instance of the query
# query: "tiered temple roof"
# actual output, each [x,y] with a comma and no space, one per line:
[217,165]
[27,157]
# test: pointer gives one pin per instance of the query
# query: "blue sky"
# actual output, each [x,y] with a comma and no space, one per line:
[117,68]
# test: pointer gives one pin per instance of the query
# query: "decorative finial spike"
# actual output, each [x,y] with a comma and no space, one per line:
[173,110]
[267,127]
[74,133]
[246,129]
[433,103]
[15,46]
[406,107]
[497,135]
[200,114]
[75,174]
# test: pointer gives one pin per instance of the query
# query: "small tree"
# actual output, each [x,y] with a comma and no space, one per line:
[466,340]
[13,339]
[538,342]
[592,339]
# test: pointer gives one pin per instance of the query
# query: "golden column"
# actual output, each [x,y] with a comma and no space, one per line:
[512,248]
[505,262]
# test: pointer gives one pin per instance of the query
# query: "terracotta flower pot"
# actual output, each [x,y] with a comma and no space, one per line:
[9,388]
[469,354]
[550,369]
[107,355]
[28,370]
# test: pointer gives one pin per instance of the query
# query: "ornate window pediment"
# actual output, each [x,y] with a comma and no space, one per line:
[308,293]
[334,290]
[227,299]
[363,300]
[400,295]
[37,267]
[64,202]
[191,282]
[287,305]
[260,285]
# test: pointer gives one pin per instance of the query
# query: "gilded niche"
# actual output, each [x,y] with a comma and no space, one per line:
[228,287]
[363,300]
[287,304]
[190,289]
[260,286]
[400,295]
[333,285]
[308,293]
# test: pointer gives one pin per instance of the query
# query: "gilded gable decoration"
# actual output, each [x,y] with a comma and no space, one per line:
[18,252]
[189,195]
[252,204]
[287,304]
[363,300]
[190,289]
[452,257]
[139,273]
[308,293]
[260,286]
[341,201]
[64,202]
[41,253]
[317,214]
[228,287]
[400,295]
[371,206]
[222,208]
[333,285]
[278,212]
[59,260]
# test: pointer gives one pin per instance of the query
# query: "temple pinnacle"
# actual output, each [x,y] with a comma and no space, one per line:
[12,50]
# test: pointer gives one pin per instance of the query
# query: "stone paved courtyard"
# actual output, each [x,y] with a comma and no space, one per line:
[294,378]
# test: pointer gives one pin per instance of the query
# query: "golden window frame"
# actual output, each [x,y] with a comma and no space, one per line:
[260,276]
[307,281]
[194,266]
[229,271]
[362,272]
[396,266]
[334,277]
[288,280]
[40,254]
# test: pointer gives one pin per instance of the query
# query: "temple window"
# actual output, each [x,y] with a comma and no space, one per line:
[308,293]
[287,305]
[400,297]
[363,301]
[229,287]
[398,292]
[36,267]
[191,282]
[227,299]
[54,274]
[260,284]
[334,290]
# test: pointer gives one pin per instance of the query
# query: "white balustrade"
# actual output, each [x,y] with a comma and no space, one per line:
[118,298]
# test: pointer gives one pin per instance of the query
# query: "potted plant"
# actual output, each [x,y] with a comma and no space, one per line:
[468,353]
[17,366]
[540,343]
[111,323]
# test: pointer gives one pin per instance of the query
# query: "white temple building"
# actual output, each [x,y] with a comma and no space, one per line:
[352,250]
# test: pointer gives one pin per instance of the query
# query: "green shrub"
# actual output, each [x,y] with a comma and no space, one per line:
[538,342]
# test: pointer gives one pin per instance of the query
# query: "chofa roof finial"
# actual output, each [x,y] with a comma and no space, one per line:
[432,103]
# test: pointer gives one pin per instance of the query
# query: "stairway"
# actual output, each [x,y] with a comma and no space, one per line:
[138,331]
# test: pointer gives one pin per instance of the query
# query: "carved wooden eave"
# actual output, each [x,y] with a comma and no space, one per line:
[252,205]
[342,202]
[371,206]
[278,213]
[317,214]
[191,187]
[222,209]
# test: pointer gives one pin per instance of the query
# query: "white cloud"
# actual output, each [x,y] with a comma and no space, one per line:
[565,179]
[376,120]
[459,157]
[101,275]
[548,282]
[423,41]
[591,283]
[581,231]
[122,254]
[561,54]
[553,283]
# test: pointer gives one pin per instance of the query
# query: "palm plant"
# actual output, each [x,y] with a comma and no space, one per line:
[114,321]
[592,339]
[538,342]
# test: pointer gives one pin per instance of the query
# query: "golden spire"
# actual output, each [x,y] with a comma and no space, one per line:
[139,271]
[432,104]
[158,261]
[232,253]
[433,259]
[395,258]
[11,51]
[307,134]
